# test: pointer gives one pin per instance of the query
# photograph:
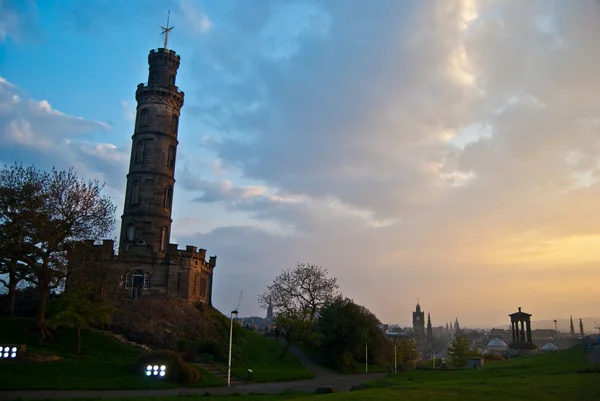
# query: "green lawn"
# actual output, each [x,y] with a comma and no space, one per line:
[104,363]
[261,354]
[549,377]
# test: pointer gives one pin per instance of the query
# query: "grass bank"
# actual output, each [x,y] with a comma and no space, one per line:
[262,355]
[104,363]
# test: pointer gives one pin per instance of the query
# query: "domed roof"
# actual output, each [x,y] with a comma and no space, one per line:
[550,347]
[497,343]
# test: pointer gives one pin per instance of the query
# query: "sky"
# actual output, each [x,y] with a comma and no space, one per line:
[446,152]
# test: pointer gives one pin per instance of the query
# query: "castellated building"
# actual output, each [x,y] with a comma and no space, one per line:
[147,264]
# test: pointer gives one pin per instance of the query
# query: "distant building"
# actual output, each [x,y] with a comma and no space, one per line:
[497,347]
[419,334]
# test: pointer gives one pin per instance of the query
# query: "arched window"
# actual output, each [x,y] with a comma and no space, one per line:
[128,280]
[172,80]
[163,239]
[135,193]
[174,122]
[171,157]
[131,232]
[144,117]
[168,197]
[152,76]
[140,150]
[147,279]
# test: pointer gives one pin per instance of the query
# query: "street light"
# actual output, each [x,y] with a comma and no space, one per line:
[230,345]
[556,331]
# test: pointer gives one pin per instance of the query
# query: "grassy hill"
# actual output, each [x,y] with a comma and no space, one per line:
[105,363]
[261,354]
[539,377]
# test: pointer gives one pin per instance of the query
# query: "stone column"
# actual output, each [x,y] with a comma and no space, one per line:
[514,337]
[529,339]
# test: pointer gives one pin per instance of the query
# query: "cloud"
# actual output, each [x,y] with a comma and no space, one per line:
[440,149]
[444,133]
[34,132]
[196,20]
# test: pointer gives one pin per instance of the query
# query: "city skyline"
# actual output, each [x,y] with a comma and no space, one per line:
[445,151]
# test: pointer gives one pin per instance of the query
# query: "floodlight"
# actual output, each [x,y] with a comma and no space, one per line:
[156,370]
[11,351]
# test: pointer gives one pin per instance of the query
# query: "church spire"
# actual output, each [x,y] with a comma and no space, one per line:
[572,327]
[581,328]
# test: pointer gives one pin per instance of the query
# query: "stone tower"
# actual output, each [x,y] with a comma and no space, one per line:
[420,337]
[146,218]
[148,265]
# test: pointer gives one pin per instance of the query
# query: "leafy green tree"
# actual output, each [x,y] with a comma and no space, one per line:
[295,327]
[21,195]
[345,328]
[78,308]
[63,211]
[406,352]
[459,351]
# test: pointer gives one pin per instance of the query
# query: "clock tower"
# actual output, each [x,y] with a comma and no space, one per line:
[419,335]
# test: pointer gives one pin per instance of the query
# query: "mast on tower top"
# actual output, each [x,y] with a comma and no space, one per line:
[166,30]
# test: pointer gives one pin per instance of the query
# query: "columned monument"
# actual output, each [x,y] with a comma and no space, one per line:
[521,332]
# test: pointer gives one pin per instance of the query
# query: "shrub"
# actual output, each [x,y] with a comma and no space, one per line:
[492,357]
[177,369]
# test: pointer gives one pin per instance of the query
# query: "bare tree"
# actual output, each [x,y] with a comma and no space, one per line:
[305,288]
[297,295]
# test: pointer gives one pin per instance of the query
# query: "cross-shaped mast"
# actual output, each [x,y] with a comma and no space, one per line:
[167,30]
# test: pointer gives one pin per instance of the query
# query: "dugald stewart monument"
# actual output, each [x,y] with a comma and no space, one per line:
[147,264]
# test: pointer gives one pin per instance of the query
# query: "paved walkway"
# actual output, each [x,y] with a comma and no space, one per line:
[340,382]
[323,377]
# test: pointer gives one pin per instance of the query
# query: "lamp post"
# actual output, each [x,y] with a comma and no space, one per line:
[556,331]
[395,361]
[230,345]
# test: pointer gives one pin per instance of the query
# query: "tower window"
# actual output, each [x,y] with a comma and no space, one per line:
[171,157]
[139,154]
[174,122]
[168,197]
[172,80]
[147,279]
[135,193]
[152,76]
[131,232]
[144,117]
[163,238]
[195,282]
